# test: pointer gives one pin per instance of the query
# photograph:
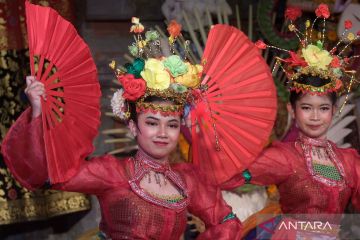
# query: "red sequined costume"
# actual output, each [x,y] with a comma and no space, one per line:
[289,166]
[306,195]
[127,211]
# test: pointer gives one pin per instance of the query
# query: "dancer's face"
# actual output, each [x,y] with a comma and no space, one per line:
[156,134]
[313,115]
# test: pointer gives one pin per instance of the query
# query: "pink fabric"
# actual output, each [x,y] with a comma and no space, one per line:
[292,134]
[71,113]
[355,198]
[17,146]
[283,164]
[236,113]
[125,215]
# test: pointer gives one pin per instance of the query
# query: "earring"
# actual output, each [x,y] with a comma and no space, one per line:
[132,128]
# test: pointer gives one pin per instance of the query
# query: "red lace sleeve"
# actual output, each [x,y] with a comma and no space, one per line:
[23,151]
[270,167]
[206,202]
[355,198]
[96,176]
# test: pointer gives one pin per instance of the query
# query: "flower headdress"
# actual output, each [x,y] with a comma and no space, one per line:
[152,74]
[312,59]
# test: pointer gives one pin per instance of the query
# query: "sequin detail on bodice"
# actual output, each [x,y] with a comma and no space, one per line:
[142,166]
[306,144]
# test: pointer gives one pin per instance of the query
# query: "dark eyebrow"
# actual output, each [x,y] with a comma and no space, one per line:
[321,105]
[173,120]
[153,118]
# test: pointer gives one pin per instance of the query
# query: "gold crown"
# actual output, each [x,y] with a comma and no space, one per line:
[312,59]
[151,74]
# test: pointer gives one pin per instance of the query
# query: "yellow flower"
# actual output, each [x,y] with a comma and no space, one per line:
[351,36]
[155,75]
[141,44]
[292,27]
[112,65]
[191,79]
[316,57]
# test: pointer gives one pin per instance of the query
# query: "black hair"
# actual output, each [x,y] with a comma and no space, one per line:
[314,81]
[133,113]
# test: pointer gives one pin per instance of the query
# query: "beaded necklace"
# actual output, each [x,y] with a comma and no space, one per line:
[327,171]
[143,165]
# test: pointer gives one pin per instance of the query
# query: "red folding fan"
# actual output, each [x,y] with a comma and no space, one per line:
[238,109]
[61,60]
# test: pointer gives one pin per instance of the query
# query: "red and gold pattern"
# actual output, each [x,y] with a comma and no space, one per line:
[142,167]
[302,190]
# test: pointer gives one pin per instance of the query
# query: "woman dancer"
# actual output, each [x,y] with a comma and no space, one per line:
[141,197]
[314,176]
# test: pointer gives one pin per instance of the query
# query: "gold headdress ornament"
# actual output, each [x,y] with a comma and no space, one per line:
[312,59]
[170,78]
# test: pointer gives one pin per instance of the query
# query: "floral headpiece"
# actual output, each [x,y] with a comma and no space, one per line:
[312,59]
[152,74]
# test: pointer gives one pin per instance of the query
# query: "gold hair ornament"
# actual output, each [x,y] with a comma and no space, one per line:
[312,59]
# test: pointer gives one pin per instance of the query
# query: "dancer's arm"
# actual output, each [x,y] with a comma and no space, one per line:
[206,202]
[272,166]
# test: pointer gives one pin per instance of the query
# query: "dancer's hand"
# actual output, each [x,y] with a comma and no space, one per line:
[34,91]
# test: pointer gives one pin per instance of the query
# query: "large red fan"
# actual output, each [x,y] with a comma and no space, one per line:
[61,60]
[238,109]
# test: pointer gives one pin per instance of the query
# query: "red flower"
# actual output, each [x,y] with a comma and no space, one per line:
[346,60]
[322,11]
[293,13]
[335,62]
[295,60]
[12,194]
[174,28]
[338,84]
[358,33]
[348,24]
[260,44]
[134,88]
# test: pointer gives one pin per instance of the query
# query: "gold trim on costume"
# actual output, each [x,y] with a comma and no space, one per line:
[171,109]
[36,208]
[314,72]
[168,93]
